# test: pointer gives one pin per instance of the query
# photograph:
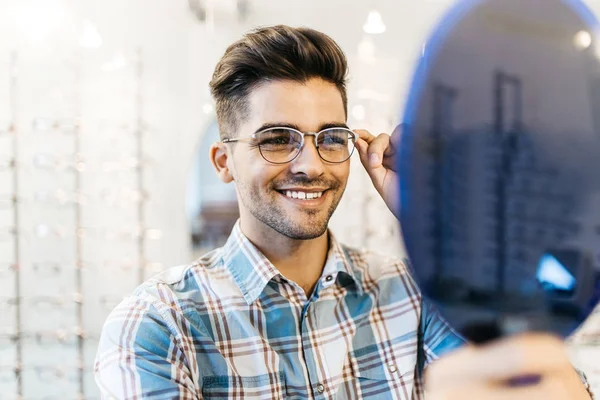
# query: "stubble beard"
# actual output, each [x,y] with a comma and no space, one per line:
[269,212]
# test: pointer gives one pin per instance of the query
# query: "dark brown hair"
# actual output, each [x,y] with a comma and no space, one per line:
[273,53]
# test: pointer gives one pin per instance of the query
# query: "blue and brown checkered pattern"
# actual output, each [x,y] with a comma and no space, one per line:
[231,326]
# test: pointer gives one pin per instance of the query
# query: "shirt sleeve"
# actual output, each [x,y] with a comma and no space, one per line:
[139,356]
[438,337]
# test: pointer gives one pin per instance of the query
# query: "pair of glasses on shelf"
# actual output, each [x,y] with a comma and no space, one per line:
[6,128]
[70,126]
[57,231]
[61,396]
[42,304]
[7,234]
[45,373]
[57,125]
[113,197]
[48,269]
[58,162]
[47,304]
[47,338]
[7,268]
[7,163]
[8,201]
[124,234]
[52,162]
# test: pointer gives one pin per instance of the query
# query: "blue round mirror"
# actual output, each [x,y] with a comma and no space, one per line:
[499,165]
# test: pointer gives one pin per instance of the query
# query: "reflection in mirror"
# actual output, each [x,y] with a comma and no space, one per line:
[499,166]
[211,205]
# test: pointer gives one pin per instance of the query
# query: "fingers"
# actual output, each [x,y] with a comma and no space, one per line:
[365,135]
[527,354]
[369,137]
[549,388]
[362,147]
[378,147]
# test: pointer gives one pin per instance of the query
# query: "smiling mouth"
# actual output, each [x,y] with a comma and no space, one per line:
[302,195]
[292,194]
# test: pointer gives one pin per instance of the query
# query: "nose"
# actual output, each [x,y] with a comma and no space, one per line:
[308,162]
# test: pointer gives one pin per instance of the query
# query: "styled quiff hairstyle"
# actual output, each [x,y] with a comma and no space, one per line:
[269,54]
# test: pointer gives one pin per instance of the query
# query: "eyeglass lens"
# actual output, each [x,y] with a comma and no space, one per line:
[281,145]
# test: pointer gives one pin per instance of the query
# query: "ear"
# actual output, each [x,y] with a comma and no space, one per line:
[221,160]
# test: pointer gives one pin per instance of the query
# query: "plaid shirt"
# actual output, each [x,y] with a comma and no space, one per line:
[231,326]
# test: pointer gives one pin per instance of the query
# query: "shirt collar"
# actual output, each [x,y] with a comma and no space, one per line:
[252,271]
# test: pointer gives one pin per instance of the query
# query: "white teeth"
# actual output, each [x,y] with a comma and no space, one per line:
[303,195]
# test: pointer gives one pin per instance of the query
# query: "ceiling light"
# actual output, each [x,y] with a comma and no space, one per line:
[374,24]
[582,40]
[90,37]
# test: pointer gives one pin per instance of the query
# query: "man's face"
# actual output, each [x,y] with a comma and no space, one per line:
[263,188]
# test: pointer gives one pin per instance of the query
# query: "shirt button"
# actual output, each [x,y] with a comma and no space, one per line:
[328,278]
[392,368]
[320,388]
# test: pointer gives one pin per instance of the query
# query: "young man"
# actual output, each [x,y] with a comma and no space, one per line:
[283,310]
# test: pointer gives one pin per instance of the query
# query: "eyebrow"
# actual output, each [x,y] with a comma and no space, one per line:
[296,127]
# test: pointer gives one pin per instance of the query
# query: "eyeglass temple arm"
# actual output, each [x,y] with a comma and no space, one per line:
[231,140]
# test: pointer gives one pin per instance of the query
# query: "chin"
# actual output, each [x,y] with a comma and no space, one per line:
[298,232]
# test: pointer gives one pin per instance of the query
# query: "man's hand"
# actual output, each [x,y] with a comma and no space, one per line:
[378,156]
[483,372]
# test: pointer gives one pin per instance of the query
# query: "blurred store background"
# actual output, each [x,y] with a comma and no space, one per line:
[105,124]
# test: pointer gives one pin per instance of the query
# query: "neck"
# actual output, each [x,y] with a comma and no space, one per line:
[300,261]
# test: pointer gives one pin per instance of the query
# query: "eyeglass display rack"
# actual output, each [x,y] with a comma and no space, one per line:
[16,262]
[444,97]
[507,174]
[78,239]
[20,385]
[139,134]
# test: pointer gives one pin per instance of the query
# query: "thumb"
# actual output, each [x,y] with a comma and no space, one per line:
[374,159]
[371,161]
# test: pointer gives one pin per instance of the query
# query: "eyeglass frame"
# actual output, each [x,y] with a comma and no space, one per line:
[302,134]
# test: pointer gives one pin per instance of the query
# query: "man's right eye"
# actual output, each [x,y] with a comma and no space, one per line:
[277,137]
[275,141]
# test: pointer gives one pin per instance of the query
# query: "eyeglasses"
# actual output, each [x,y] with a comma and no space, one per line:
[54,162]
[7,201]
[67,125]
[8,373]
[7,268]
[6,164]
[60,163]
[7,233]
[281,145]
[64,337]
[51,373]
